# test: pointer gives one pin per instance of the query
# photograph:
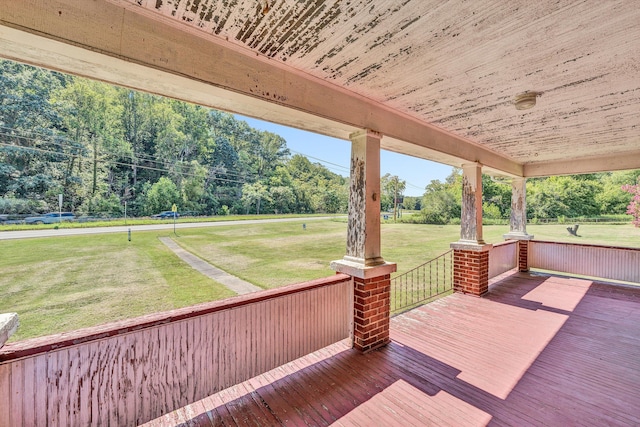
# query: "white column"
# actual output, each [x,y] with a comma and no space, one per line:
[363,232]
[518,221]
[471,218]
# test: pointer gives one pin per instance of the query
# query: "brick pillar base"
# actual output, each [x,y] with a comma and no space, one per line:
[372,308]
[523,255]
[471,271]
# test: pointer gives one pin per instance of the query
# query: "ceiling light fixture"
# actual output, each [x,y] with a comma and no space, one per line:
[526,100]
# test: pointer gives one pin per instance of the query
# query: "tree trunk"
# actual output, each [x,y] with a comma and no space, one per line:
[95,166]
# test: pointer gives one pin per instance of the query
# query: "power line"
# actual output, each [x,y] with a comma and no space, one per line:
[321,160]
[183,173]
[337,168]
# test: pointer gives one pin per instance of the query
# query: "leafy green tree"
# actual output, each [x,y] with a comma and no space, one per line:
[566,196]
[254,194]
[91,115]
[391,187]
[634,205]
[32,157]
[412,203]
[613,199]
[161,196]
[496,197]
[282,199]
[491,211]
[439,205]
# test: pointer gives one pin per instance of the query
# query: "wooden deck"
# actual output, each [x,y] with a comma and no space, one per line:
[537,350]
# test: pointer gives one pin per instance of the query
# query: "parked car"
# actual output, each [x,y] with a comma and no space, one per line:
[166,215]
[50,218]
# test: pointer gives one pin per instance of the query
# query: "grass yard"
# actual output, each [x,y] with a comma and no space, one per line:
[61,284]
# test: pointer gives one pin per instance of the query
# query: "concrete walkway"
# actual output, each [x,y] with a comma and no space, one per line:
[237,285]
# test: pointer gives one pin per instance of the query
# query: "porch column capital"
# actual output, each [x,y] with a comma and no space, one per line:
[364,134]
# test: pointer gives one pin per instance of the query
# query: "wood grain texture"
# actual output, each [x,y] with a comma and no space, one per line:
[606,262]
[502,258]
[536,351]
[132,377]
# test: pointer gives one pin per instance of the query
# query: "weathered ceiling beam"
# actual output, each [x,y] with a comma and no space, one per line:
[126,45]
[615,162]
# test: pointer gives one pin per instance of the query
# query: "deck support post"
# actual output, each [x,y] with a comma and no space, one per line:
[471,253]
[363,261]
[518,221]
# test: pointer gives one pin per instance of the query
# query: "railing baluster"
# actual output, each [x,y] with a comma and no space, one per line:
[410,289]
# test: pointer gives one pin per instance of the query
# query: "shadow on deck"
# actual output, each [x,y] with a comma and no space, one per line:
[537,350]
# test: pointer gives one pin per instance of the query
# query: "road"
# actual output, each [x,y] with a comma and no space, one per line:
[25,234]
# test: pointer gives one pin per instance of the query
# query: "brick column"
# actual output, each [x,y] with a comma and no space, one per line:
[363,260]
[471,269]
[523,255]
[372,305]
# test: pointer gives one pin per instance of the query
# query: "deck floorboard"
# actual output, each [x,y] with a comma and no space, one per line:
[537,350]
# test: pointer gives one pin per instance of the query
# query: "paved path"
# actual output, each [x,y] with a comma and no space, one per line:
[50,232]
[234,283]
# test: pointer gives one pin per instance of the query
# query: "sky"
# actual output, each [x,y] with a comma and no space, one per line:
[335,155]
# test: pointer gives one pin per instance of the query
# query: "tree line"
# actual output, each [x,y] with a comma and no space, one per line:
[102,146]
[571,196]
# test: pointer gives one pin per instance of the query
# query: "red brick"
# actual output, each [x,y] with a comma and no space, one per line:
[471,271]
[372,302]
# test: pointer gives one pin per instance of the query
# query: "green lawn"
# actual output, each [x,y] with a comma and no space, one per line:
[61,284]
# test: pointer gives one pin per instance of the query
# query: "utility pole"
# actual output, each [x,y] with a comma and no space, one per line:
[395,198]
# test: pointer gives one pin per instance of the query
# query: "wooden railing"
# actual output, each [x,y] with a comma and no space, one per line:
[503,257]
[133,371]
[607,262]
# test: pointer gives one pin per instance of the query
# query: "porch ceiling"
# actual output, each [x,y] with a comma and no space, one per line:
[437,79]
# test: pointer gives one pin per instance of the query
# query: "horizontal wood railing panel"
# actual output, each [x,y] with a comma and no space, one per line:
[607,262]
[130,372]
[503,257]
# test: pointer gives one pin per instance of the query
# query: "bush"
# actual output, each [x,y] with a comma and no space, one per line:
[13,206]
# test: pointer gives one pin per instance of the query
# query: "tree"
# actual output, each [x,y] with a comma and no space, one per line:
[439,205]
[32,156]
[496,197]
[613,199]
[392,188]
[254,193]
[634,205]
[558,196]
[161,196]
[282,199]
[412,203]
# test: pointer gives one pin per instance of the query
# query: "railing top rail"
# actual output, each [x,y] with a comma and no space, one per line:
[37,345]
[627,248]
[505,243]
[425,263]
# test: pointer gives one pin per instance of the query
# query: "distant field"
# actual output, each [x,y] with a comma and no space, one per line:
[64,283]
